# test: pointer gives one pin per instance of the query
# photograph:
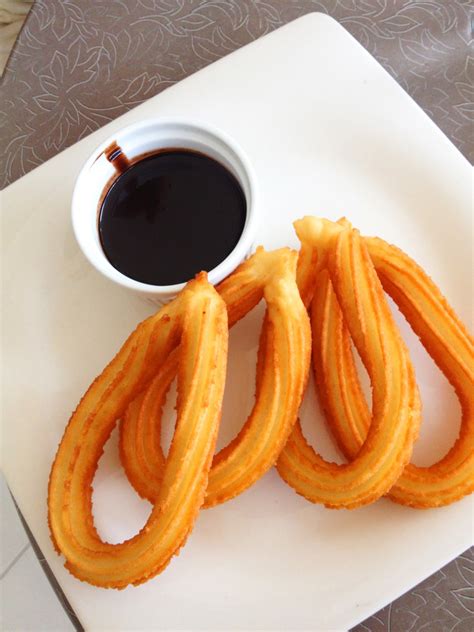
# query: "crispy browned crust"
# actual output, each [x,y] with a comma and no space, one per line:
[388,445]
[444,337]
[284,357]
[197,320]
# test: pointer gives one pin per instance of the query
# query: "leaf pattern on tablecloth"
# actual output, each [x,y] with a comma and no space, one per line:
[79,64]
[442,603]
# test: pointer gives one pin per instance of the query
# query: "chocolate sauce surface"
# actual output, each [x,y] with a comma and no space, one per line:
[171,215]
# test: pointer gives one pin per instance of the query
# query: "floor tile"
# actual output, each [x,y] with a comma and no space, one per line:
[28,601]
[13,539]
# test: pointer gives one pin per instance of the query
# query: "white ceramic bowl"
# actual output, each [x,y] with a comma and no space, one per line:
[136,140]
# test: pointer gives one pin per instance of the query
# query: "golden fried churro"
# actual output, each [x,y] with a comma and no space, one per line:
[395,416]
[445,339]
[197,321]
[284,357]
[140,433]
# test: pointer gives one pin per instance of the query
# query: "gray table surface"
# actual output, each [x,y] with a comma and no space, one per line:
[79,64]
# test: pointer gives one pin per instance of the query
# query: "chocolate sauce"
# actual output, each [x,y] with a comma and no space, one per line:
[170,215]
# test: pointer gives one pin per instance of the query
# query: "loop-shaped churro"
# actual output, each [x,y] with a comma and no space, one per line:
[284,358]
[445,339]
[395,416]
[197,321]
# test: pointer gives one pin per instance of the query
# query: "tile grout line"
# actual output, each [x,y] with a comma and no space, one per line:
[14,560]
[53,582]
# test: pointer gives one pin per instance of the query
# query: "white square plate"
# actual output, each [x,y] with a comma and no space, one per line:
[329,132]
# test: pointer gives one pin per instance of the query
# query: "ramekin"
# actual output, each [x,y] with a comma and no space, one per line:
[143,138]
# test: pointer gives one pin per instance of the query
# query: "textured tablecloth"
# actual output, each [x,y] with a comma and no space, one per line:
[79,64]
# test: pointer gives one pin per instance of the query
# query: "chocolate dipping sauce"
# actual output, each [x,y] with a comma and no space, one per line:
[170,215]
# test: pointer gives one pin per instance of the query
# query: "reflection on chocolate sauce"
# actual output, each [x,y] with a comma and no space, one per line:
[170,215]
